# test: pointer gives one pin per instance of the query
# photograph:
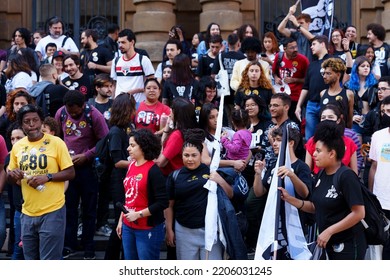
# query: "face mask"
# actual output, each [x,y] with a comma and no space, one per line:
[385,121]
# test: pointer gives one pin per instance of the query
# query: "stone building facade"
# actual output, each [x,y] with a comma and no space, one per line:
[151,20]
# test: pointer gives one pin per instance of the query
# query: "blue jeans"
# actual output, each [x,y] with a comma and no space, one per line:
[18,251]
[142,244]
[43,236]
[85,187]
[312,118]
[2,221]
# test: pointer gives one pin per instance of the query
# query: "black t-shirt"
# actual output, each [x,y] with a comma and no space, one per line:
[118,144]
[205,65]
[314,82]
[332,205]
[189,195]
[263,93]
[100,55]
[83,85]
[382,54]
[190,91]
[104,108]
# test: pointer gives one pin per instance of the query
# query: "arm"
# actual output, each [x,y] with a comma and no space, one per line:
[282,26]
[214,176]
[258,187]
[299,186]
[119,226]
[304,205]
[371,175]
[301,100]
[357,213]
[350,96]
[161,161]
[61,176]
[353,163]
[302,29]
[104,68]
[235,80]
[168,214]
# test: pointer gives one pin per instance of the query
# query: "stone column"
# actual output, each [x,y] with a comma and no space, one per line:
[151,24]
[226,13]
[386,18]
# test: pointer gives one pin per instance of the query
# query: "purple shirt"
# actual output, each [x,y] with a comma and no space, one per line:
[79,136]
[238,147]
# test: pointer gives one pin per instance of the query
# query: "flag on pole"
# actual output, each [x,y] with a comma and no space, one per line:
[211,219]
[321,13]
[267,242]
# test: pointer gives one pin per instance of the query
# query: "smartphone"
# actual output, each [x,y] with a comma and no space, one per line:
[263,55]
[259,154]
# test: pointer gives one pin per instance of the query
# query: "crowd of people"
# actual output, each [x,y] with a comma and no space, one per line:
[332,95]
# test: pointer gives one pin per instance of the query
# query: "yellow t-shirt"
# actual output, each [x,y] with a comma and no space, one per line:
[48,155]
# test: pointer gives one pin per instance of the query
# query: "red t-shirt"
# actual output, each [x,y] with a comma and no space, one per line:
[136,192]
[149,116]
[350,148]
[295,68]
[172,151]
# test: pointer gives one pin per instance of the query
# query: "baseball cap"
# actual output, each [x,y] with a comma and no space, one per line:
[58,54]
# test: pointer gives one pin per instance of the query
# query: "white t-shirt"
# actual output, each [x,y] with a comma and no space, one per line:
[159,70]
[69,44]
[20,80]
[380,152]
[128,75]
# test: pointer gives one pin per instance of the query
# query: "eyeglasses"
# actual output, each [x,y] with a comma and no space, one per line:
[383,88]
[251,105]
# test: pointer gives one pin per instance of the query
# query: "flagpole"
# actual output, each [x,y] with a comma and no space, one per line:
[282,160]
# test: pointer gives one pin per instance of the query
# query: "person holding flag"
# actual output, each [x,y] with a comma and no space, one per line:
[338,210]
[298,172]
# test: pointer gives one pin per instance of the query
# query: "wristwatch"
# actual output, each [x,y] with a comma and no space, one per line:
[49,177]
[140,214]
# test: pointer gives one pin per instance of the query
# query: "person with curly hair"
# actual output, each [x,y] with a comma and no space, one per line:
[16,100]
[334,70]
[254,82]
[142,227]
[376,35]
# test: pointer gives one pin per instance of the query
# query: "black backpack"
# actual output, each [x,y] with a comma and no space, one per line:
[103,164]
[375,222]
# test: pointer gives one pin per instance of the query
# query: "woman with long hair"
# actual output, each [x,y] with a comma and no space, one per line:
[142,228]
[362,83]
[182,82]
[18,73]
[196,39]
[338,209]
[369,52]
[151,113]
[247,30]
[270,49]
[16,100]
[182,117]
[253,82]
[122,113]
[212,29]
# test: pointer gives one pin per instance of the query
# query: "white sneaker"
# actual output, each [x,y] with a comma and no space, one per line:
[104,231]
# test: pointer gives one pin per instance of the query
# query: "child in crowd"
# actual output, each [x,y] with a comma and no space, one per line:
[51,126]
[50,49]
[238,147]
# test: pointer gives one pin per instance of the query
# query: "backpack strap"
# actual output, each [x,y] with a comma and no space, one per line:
[280,58]
[140,62]
[337,175]
[87,114]
[175,174]
[64,41]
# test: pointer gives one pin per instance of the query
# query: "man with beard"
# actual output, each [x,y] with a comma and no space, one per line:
[131,69]
[63,42]
[76,80]
[379,176]
[104,88]
[94,59]
[291,69]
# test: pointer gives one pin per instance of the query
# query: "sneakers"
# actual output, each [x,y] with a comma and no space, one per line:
[89,255]
[80,230]
[104,231]
[66,253]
